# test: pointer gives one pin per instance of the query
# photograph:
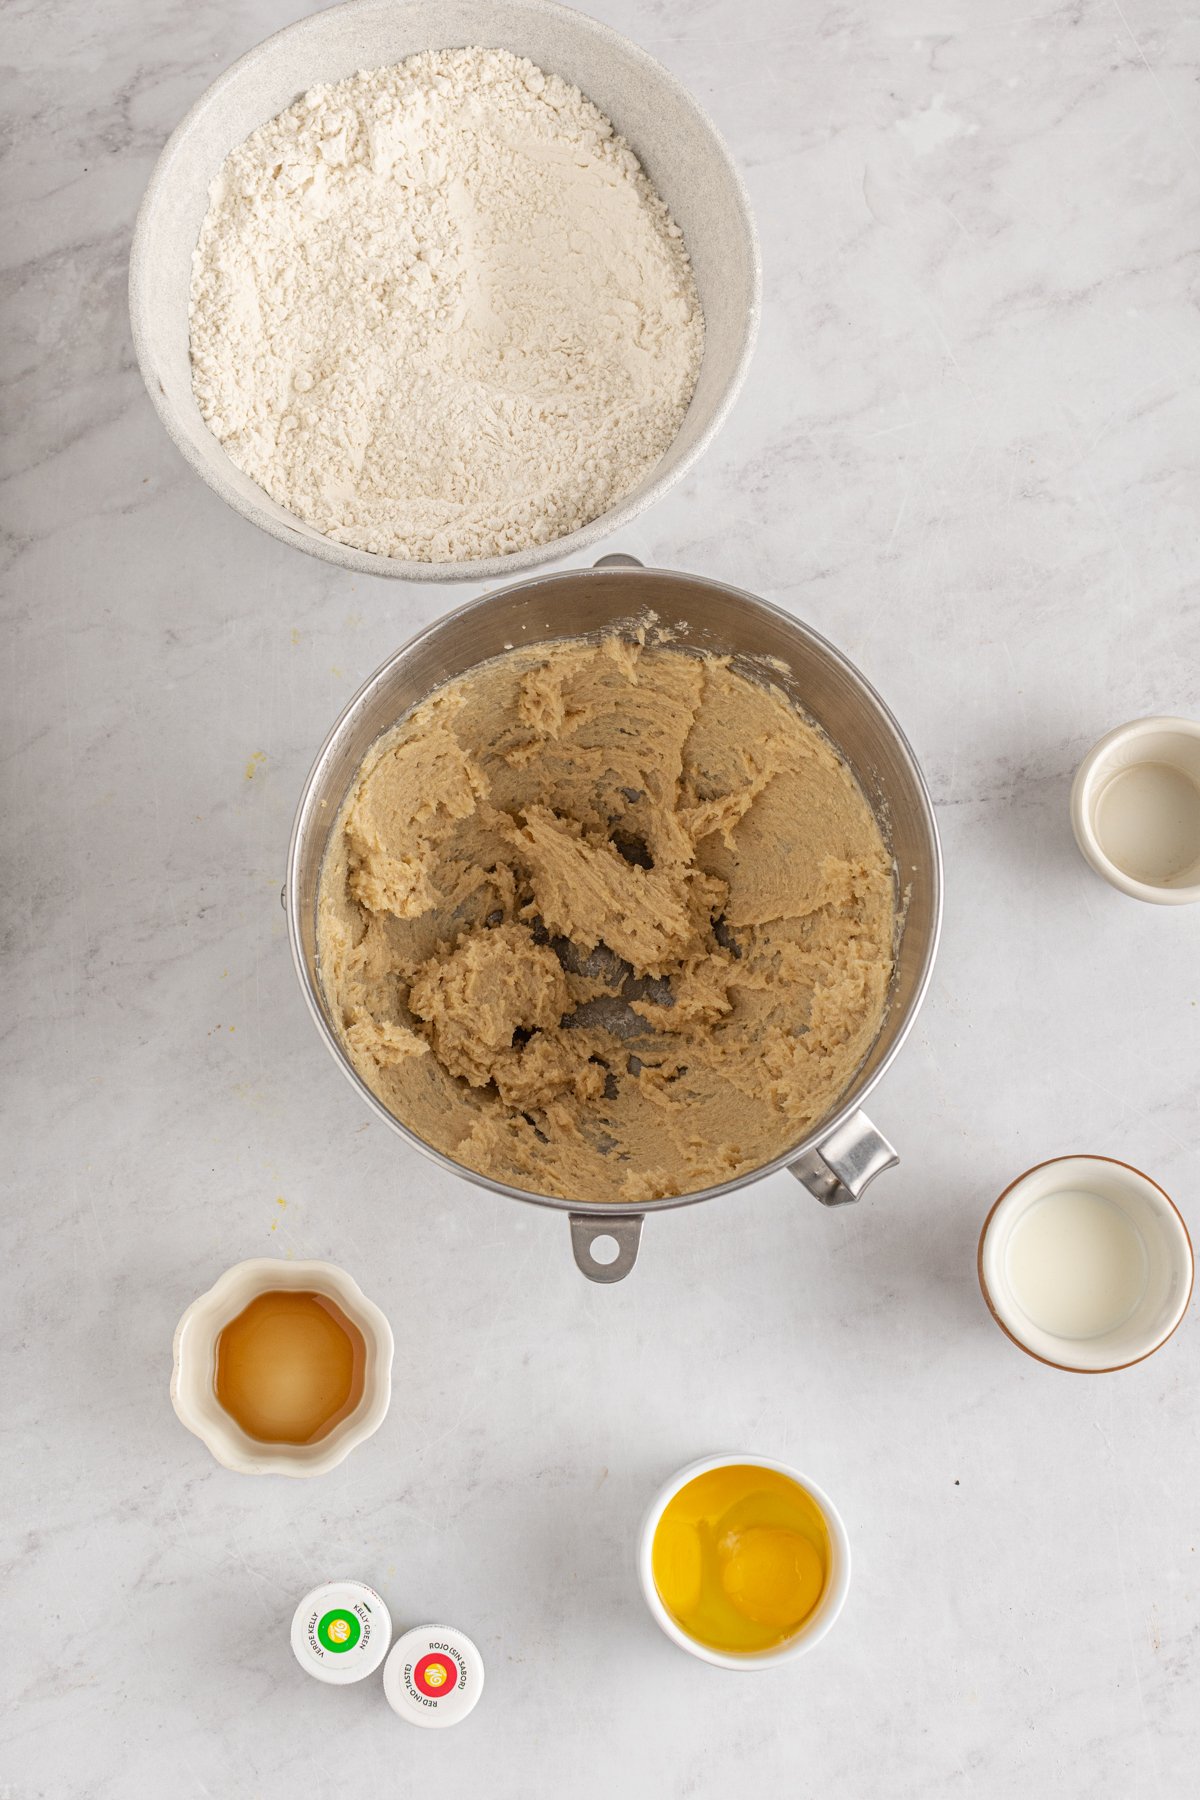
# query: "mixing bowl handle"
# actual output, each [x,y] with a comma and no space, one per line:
[841,1166]
[618,559]
[625,1230]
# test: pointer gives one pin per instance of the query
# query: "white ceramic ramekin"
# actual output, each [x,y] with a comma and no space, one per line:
[823,1615]
[193,1391]
[1175,742]
[667,130]
[1169,1264]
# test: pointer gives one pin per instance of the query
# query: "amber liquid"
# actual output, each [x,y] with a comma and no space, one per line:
[290,1367]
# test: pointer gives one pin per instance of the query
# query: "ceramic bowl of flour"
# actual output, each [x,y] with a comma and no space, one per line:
[679,149]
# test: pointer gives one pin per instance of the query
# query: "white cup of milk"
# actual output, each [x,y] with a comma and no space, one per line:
[1086,1264]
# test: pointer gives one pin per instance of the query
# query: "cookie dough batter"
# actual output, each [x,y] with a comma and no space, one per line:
[607,921]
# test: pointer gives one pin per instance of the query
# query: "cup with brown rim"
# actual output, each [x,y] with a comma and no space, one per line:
[1169,1264]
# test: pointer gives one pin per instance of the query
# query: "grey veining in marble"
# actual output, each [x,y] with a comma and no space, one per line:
[967,452]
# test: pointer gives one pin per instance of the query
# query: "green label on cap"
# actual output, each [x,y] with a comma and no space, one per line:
[338,1630]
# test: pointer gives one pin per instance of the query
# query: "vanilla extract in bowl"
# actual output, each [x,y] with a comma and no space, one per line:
[290,1367]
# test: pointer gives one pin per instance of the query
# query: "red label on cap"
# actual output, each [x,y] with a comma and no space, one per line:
[435,1675]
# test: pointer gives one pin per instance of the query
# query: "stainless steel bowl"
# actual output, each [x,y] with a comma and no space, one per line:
[837,1159]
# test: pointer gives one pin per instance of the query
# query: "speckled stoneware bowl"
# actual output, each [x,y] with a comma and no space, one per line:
[678,146]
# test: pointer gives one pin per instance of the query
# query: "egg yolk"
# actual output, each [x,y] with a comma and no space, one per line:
[741,1557]
[775,1577]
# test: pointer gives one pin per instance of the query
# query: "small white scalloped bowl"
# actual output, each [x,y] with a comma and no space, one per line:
[193,1388]
[824,1614]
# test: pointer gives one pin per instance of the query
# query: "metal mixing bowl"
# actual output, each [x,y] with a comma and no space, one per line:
[837,1159]
[676,142]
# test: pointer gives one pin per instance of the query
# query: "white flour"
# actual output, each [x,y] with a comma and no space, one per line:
[439,312]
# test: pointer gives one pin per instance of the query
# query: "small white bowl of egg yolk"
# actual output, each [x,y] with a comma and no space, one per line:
[743,1561]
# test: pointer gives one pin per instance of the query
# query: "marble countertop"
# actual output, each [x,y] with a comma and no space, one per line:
[967,452]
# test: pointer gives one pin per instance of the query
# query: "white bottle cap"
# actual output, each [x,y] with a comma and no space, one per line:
[434,1676]
[341,1631]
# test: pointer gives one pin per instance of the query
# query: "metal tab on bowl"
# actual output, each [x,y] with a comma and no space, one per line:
[605,1249]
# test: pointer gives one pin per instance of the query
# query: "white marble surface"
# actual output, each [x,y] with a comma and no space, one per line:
[968,453]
